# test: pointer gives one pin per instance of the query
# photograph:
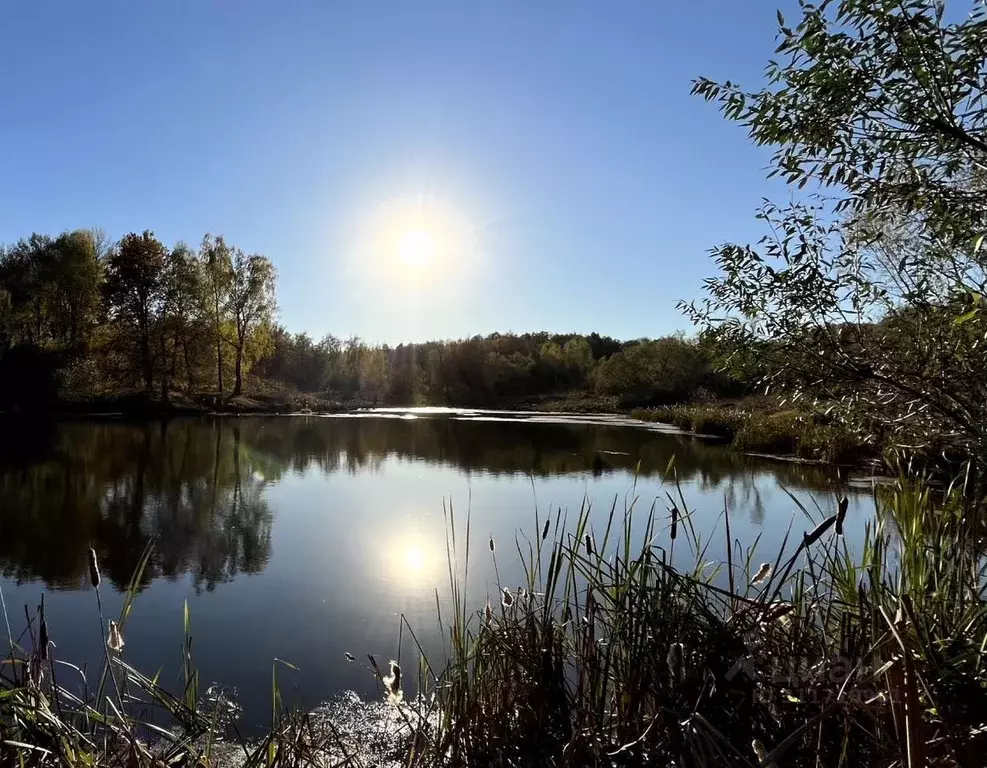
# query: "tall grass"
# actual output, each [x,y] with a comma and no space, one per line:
[54,713]
[766,430]
[624,644]
[611,654]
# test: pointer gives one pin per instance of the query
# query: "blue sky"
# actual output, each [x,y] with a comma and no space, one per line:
[560,137]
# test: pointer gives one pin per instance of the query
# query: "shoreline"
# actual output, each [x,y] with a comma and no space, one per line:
[717,422]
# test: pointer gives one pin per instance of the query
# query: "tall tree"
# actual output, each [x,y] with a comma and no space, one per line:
[27,271]
[75,282]
[217,277]
[869,295]
[180,314]
[135,287]
[251,301]
[578,356]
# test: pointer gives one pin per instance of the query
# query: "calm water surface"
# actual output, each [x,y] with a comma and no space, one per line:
[304,537]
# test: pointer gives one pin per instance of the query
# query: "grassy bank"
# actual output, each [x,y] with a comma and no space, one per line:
[619,657]
[141,404]
[265,396]
[820,654]
[575,402]
[761,427]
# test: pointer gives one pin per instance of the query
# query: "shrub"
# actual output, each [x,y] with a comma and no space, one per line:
[769,433]
[719,421]
[612,653]
[790,432]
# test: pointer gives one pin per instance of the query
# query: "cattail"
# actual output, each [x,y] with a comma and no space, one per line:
[508,598]
[762,575]
[841,515]
[393,683]
[808,539]
[350,656]
[42,630]
[779,610]
[760,751]
[676,661]
[488,613]
[43,637]
[544,531]
[675,522]
[35,673]
[491,544]
[589,545]
[115,642]
[93,568]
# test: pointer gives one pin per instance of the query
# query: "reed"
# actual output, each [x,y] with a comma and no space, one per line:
[824,655]
[623,645]
[766,430]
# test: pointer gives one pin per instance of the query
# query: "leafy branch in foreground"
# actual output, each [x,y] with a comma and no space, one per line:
[867,296]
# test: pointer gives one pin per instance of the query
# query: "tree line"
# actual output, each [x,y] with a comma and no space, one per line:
[497,369]
[82,317]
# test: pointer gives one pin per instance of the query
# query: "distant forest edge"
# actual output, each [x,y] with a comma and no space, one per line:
[86,321]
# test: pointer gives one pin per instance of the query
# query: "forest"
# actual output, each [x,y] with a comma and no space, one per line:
[86,320]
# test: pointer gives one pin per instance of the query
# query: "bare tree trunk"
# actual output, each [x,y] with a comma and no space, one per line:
[146,360]
[219,347]
[238,386]
[164,368]
[189,377]
[38,321]
[219,359]
[73,328]
[174,359]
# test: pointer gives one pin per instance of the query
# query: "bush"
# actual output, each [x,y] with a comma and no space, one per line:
[80,380]
[758,430]
[772,433]
[719,421]
[832,443]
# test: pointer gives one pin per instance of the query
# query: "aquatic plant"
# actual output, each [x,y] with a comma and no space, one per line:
[634,649]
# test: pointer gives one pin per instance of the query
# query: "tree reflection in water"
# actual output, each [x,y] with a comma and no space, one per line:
[194,485]
[199,485]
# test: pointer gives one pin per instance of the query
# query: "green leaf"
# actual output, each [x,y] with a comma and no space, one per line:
[967,316]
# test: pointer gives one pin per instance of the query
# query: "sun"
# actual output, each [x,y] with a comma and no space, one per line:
[414,559]
[411,250]
[416,247]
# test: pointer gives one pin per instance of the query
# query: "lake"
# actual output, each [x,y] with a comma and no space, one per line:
[305,537]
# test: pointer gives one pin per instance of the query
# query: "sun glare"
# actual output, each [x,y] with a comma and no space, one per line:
[409,558]
[414,559]
[416,248]
[413,247]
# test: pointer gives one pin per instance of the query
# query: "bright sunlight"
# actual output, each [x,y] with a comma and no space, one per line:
[414,559]
[416,248]
[420,241]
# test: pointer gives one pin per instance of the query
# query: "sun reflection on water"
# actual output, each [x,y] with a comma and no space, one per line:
[411,560]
